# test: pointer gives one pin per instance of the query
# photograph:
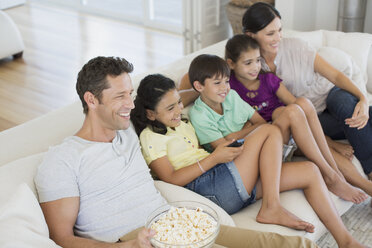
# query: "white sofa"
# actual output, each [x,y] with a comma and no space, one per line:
[23,147]
[11,43]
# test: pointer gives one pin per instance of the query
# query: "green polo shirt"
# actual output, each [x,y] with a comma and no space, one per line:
[211,126]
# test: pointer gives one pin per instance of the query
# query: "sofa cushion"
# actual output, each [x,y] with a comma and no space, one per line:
[22,223]
[315,38]
[344,63]
[296,203]
[20,171]
[357,45]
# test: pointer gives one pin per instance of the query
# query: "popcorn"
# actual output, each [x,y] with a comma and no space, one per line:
[182,226]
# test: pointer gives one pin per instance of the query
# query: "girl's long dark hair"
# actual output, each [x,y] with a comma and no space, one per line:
[258,16]
[150,91]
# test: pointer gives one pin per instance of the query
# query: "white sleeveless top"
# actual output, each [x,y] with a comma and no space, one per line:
[295,66]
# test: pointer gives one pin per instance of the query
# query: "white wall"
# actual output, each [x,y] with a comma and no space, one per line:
[305,15]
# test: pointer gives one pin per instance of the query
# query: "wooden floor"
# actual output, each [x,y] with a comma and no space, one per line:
[58,42]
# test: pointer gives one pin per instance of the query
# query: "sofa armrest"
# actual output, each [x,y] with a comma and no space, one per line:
[39,134]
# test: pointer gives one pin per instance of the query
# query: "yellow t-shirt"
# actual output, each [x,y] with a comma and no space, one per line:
[180,145]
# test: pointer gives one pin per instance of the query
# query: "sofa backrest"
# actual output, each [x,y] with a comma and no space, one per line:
[39,134]
[357,45]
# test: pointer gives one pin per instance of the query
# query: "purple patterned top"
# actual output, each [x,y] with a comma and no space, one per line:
[265,100]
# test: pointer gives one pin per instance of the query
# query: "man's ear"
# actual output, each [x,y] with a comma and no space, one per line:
[150,114]
[91,100]
[231,64]
[198,86]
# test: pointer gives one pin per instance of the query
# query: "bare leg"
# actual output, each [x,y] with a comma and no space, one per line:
[305,175]
[262,155]
[292,119]
[317,131]
[351,173]
[345,150]
[323,142]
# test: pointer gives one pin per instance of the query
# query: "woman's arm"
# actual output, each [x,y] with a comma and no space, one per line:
[188,96]
[360,116]
[255,121]
[284,95]
[187,93]
[165,171]
[185,83]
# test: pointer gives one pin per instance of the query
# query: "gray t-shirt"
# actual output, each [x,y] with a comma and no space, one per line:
[112,180]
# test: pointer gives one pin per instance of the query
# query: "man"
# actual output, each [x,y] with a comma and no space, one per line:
[95,186]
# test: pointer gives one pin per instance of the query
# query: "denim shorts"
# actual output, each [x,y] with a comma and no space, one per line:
[223,185]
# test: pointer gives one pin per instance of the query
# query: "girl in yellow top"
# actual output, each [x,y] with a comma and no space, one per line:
[232,177]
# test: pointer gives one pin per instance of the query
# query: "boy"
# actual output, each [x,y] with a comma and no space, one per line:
[219,113]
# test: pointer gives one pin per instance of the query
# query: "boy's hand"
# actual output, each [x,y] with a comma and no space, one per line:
[224,154]
[143,238]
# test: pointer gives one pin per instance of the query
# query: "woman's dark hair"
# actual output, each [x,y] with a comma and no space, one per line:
[237,44]
[258,16]
[149,93]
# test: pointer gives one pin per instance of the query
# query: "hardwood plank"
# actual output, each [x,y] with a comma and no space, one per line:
[57,43]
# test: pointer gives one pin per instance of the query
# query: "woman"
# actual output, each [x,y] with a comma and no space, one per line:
[343,109]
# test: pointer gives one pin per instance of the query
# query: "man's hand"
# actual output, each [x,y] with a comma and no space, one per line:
[143,238]
[360,116]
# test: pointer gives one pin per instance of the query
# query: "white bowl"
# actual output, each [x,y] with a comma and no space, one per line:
[158,213]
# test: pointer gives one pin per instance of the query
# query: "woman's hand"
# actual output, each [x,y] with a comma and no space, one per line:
[143,238]
[360,116]
[224,154]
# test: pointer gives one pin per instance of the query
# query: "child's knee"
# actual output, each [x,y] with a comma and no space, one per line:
[293,112]
[274,130]
[269,128]
[306,105]
[311,169]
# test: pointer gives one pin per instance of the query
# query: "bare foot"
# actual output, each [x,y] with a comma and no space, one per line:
[345,191]
[344,149]
[280,216]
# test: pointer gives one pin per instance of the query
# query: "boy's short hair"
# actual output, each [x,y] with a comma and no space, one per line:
[207,66]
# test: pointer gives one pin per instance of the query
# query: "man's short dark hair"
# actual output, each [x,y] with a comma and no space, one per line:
[93,76]
[207,66]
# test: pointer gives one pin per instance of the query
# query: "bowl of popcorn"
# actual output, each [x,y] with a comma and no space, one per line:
[184,224]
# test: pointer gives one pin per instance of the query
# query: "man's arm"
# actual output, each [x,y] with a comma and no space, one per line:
[61,215]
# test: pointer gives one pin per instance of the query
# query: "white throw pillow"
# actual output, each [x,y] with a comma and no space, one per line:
[344,63]
[357,45]
[22,223]
[314,38]
[19,171]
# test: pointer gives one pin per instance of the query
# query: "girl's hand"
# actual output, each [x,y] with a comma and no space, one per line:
[224,154]
[360,116]
[143,238]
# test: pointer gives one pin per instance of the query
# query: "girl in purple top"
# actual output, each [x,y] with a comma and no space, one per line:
[264,100]
[296,116]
